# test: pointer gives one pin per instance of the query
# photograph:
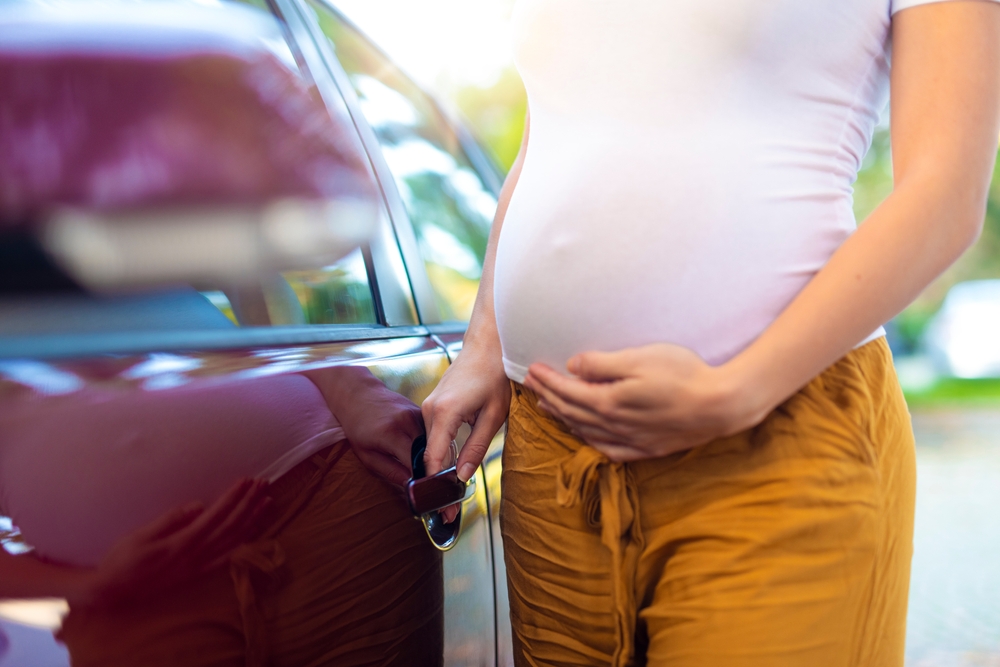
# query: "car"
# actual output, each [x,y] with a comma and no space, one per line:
[202,199]
[963,337]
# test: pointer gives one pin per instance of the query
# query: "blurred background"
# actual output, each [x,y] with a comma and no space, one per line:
[946,345]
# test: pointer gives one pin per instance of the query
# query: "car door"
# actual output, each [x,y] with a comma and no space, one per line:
[148,346]
[442,193]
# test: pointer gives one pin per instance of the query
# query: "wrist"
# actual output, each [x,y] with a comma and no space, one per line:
[747,393]
[482,333]
[484,347]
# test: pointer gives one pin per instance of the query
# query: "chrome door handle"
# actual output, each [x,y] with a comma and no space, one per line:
[436,492]
[427,496]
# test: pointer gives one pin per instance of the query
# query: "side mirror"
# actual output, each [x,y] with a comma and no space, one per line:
[154,144]
[209,246]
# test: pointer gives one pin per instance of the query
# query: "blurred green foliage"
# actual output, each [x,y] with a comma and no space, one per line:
[332,297]
[952,392]
[496,115]
[448,204]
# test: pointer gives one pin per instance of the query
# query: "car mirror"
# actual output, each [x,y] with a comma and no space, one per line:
[161,144]
[208,246]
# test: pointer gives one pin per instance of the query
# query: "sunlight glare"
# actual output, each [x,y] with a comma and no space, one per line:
[441,43]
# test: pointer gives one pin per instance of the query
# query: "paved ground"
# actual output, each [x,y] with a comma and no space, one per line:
[954,618]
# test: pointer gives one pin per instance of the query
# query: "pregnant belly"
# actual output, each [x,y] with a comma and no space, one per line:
[595,260]
[79,471]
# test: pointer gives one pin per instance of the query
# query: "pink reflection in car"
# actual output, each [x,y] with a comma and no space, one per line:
[80,470]
[122,130]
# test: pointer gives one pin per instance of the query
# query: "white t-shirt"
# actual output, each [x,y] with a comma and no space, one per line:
[690,167]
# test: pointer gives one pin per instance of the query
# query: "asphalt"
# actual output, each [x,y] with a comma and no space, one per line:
[954,616]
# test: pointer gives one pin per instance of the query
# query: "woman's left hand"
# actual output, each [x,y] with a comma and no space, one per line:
[645,402]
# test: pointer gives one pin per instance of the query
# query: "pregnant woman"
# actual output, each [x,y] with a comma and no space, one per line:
[709,460]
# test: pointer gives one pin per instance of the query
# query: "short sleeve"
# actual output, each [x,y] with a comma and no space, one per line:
[897,5]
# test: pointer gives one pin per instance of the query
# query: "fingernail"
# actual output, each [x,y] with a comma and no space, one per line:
[466,472]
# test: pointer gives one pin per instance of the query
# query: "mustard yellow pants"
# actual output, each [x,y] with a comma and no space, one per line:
[343,576]
[786,545]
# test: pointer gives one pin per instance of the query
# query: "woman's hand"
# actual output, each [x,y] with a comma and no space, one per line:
[646,402]
[380,424]
[474,391]
[175,548]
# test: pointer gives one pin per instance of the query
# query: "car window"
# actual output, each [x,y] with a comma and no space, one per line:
[42,291]
[340,293]
[335,294]
[449,204]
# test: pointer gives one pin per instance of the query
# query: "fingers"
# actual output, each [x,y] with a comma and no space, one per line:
[546,382]
[180,544]
[242,529]
[386,467]
[170,522]
[570,413]
[440,433]
[253,524]
[617,452]
[399,441]
[414,425]
[601,366]
[474,389]
[450,513]
[475,447]
[591,435]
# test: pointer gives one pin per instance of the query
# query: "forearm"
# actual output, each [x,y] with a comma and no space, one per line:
[25,576]
[474,389]
[945,121]
[347,390]
[876,273]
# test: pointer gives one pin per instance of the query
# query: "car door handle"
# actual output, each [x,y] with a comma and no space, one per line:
[428,495]
[436,492]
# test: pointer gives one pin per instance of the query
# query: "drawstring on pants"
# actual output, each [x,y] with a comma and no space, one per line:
[265,557]
[608,494]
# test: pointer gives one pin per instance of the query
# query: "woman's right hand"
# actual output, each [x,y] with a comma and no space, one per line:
[178,546]
[474,390]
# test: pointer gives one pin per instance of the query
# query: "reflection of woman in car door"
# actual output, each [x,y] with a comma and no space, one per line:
[708,459]
[325,565]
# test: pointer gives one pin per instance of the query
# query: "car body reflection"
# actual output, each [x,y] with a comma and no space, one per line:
[300,356]
[80,467]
